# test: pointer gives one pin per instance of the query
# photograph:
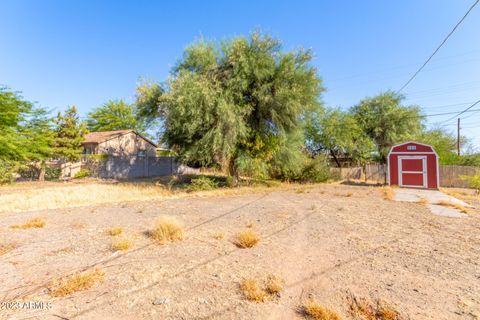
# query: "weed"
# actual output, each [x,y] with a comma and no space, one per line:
[5,248]
[252,291]
[422,201]
[362,309]
[388,193]
[76,282]
[167,229]
[121,244]
[318,312]
[250,225]
[115,231]
[247,239]
[274,285]
[32,223]
[202,184]
[454,205]
[219,235]
[347,194]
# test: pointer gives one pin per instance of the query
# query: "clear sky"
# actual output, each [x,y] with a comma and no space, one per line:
[83,52]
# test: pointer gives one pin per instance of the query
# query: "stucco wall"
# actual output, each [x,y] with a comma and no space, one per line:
[126,145]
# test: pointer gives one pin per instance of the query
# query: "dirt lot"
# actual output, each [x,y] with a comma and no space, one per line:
[329,242]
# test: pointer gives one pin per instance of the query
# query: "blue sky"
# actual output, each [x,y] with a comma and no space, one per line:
[60,53]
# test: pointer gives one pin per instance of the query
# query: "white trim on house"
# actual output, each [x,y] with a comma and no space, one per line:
[424,171]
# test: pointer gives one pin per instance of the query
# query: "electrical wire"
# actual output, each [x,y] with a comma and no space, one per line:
[438,48]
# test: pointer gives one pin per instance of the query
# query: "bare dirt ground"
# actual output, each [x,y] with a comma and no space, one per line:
[328,242]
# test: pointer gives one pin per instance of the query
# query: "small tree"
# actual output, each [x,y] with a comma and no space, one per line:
[386,121]
[26,134]
[115,115]
[338,133]
[69,135]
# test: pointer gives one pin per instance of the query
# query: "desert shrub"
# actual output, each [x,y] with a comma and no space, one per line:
[115,231]
[7,172]
[219,235]
[251,167]
[202,184]
[252,291]
[52,173]
[473,181]
[83,173]
[166,229]
[247,239]
[121,244]
[76,282]
[316,170]
[454,205]
[318,312]
[5,248]
[32,223]
[274,285]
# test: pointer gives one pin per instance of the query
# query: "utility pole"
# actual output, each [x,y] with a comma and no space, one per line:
[458,136]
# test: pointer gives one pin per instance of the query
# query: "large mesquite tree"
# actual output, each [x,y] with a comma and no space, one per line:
[234,105]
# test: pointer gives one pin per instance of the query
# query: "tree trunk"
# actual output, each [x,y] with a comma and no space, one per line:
[41,176]
[232,172]
[335,158]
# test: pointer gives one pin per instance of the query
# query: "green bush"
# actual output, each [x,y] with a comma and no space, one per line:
[7,172]
[316,170]
[473,181]
[83,173]
[52,173]
[202,183]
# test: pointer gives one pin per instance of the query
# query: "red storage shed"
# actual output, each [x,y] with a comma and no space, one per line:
[413,164]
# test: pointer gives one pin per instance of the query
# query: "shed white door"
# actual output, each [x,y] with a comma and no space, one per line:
[412,171]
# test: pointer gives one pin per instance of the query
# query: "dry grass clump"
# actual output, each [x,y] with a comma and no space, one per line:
[76,282]
[347,194]
[422,201]
[115,231]
[247,239]
[363,309]
[388,193]
[274,284]
[318,312]
[5,248]
[167,229]
[255,292]
[121,244]
[454,205]
[252,291]
[219,235]
[32,223]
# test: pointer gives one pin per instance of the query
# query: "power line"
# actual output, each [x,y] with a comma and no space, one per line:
[438,48]
[462,112]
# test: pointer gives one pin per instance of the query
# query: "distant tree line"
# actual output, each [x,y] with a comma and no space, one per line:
[244,106]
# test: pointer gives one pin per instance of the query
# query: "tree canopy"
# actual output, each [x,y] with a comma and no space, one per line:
[25,129]
[69,133]
[338,133]
[115,115]
[386,121]
[231,104]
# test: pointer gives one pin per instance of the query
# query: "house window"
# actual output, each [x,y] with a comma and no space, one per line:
[411,147]
[142,153]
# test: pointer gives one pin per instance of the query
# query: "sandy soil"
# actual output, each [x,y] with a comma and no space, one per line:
[328,242]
